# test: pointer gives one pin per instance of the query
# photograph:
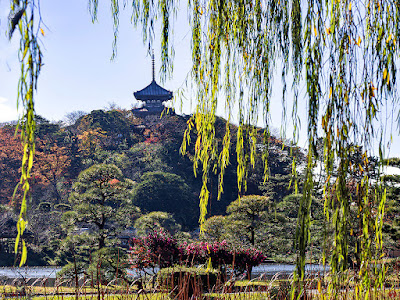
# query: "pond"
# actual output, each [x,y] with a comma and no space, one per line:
[287,269]
[29,272]
[267,269]
[50,272]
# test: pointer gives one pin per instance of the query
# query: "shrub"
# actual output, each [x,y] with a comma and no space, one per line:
[160,249]
[247,258]
[156,249]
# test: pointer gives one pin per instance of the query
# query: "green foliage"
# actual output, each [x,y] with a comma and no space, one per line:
[215,228]
[159,191]
[155,221]
[393,161]
[101,208]
[108,264]
[101,198]
[288,210]
[75,248]
[345,54]
[195,270]
[246,216]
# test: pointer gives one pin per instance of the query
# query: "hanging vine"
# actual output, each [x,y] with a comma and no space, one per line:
[24,17]
[343,52]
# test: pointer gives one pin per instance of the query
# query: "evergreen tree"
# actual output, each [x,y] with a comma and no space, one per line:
[102,200]
[160,191]
[246,217]
[156,220]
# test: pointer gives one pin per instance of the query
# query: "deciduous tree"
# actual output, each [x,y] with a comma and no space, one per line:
[10,163]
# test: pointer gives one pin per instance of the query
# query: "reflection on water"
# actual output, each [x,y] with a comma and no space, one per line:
[50,272]
[272,269]
[29,272]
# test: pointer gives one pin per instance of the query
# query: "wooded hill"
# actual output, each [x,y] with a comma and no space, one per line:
[146,149]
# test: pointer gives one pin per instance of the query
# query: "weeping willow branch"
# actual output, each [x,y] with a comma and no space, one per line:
[22,16]
[343,52]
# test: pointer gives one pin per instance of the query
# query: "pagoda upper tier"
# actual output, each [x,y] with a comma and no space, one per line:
[153,92]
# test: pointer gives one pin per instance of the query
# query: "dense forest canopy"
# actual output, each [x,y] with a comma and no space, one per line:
[89,182]
[344,54]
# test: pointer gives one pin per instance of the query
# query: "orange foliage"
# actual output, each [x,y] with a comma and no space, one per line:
[91,139]
[113,181]
[51,162]
[10,163]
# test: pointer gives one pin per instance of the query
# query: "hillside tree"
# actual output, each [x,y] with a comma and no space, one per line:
[102,201]
[168,192]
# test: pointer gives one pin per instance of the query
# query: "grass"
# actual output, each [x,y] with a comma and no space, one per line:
[34,290]
[257,295]
[275,289]
[151,296]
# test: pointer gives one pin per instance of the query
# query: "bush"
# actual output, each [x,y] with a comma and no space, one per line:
[156,249]
[160,249]
[247,258]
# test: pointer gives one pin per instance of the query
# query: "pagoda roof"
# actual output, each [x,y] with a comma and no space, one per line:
[153,92]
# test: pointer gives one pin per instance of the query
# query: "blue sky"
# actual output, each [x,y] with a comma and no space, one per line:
[78,74]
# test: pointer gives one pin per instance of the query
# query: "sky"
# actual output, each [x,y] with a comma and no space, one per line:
[78,74]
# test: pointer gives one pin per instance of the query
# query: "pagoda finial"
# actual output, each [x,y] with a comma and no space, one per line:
[152,58]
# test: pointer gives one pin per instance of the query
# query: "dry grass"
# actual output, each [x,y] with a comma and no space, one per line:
[316,288]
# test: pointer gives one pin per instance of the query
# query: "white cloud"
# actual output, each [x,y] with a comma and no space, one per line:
[8,110]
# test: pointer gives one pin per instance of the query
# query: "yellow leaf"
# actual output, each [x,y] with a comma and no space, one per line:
[42,31]
[328,30]
[330,93]
[24,254]
[384,73]
[350,6]
[209,264]
[359,41]
[25,52]
[315,31]
[319,286]
[351,231]
[389,38]
[372,90]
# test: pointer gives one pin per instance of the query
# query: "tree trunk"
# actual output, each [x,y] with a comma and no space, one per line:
[248,270]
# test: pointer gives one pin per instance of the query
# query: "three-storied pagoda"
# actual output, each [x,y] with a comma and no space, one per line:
[153,96]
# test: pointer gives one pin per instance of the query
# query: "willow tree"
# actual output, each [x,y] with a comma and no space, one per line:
[341,53]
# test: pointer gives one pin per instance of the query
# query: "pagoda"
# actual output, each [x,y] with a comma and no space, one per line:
[153,97]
